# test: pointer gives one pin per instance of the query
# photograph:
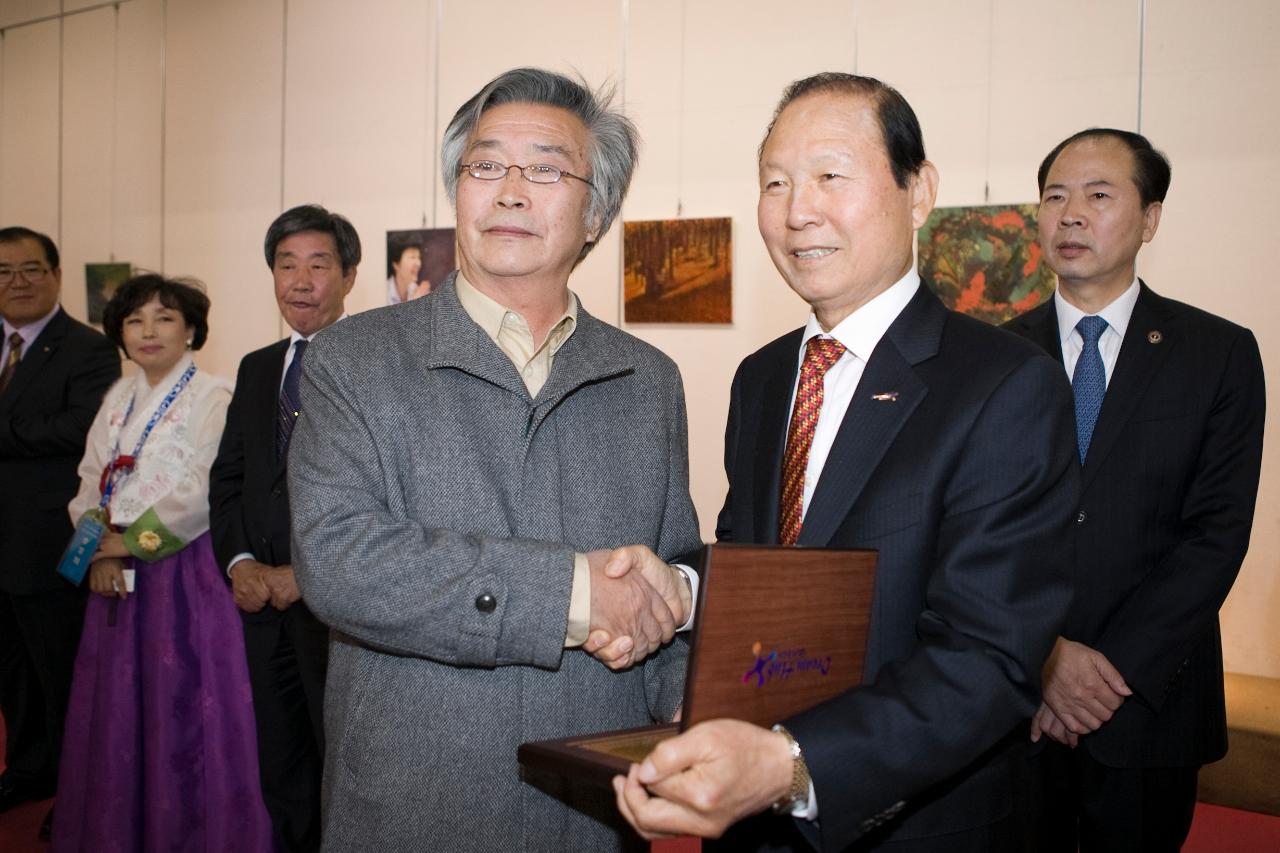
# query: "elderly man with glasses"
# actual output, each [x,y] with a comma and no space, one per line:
[467,467]
[53,373]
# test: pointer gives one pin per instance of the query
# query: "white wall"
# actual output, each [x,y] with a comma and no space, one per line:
[170,132]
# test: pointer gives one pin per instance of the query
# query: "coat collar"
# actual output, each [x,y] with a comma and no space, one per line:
[457,342]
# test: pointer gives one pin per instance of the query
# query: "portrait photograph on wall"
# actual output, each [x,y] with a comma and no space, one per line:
[100,282]
[418,259]
[985,261]
[678,271]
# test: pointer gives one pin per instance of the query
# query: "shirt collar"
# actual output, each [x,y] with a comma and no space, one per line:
[491,315]
[298,336]
[31,331]
[862,330]
[1116,313]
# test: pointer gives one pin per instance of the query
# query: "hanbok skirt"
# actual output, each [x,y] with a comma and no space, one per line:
[160,751]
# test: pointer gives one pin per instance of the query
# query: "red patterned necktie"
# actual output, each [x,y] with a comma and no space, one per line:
[820,355]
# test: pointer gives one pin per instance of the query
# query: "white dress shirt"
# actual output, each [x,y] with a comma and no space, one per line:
[860,332]
[1116,314]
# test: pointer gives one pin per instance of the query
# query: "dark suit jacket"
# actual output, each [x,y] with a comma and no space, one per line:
[1166,507]
[966,484]
[248,492]
[45,415]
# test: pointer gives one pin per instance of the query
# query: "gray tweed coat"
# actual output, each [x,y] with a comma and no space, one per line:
[426,485]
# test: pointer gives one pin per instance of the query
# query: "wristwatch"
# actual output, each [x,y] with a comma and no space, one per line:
[797,797]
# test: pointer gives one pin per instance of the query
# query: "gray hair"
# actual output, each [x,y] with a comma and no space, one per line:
[612,151]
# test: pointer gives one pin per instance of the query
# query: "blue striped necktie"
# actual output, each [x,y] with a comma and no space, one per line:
[1089,382]
[290,403]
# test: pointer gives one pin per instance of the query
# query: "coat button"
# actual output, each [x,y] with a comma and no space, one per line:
[1081,516]
[486,603]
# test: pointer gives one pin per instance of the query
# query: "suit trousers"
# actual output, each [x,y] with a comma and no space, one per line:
[1112,809]
[288,653]
[39,637]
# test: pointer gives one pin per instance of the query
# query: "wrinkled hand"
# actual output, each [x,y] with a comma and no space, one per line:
[1045,722]
[1081,687]
[249,585]
[110,547]
[705,780]
[283,585]
[106,577]
[636,605]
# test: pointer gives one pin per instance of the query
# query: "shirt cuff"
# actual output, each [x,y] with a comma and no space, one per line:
[579,627]
[692,577]
[238,558]
[810,810]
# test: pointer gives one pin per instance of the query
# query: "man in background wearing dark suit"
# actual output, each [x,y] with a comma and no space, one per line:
[313,255]
[53,373]
[1169,409]
[890,423]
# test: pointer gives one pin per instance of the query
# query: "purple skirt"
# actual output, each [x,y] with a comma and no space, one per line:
[160,752]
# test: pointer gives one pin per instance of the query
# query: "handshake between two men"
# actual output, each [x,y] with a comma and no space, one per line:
[638,602]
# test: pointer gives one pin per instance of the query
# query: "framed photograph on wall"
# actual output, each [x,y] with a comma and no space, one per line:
[418,259]
[678,271]
[100,282]
[985,261]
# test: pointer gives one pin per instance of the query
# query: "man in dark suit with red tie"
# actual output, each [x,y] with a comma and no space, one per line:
[53,373]
[887,422]
[1169,408]
[313,256]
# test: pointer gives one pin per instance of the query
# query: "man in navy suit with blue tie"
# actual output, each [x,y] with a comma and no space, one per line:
[313,255]
[1169,418]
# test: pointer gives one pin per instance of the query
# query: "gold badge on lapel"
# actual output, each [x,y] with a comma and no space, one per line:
[1154,336]
[885,397]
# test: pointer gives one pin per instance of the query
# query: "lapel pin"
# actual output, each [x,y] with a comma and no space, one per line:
[1154,337]
[886,397]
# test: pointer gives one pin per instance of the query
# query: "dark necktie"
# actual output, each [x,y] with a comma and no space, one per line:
[820,355]
[11,363]
[1089,382]
[290,403]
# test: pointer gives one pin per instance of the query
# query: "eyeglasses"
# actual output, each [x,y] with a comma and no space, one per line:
[33,273]
[539,173]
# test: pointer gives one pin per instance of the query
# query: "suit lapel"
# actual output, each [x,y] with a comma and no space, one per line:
[35,357]
[887,394]
[1041,328]
[1140,358]
[771,428]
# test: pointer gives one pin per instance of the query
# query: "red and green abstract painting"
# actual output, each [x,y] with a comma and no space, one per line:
[985,261]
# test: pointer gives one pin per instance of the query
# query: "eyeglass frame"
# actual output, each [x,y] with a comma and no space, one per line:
[506,170]
[7,276]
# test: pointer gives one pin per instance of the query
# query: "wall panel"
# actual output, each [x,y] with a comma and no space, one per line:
[29,81]
[88,116]
[224,65]
[359,121]
[137,198]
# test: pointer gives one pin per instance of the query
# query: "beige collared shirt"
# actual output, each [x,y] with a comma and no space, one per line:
[511,333]
[533,361]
